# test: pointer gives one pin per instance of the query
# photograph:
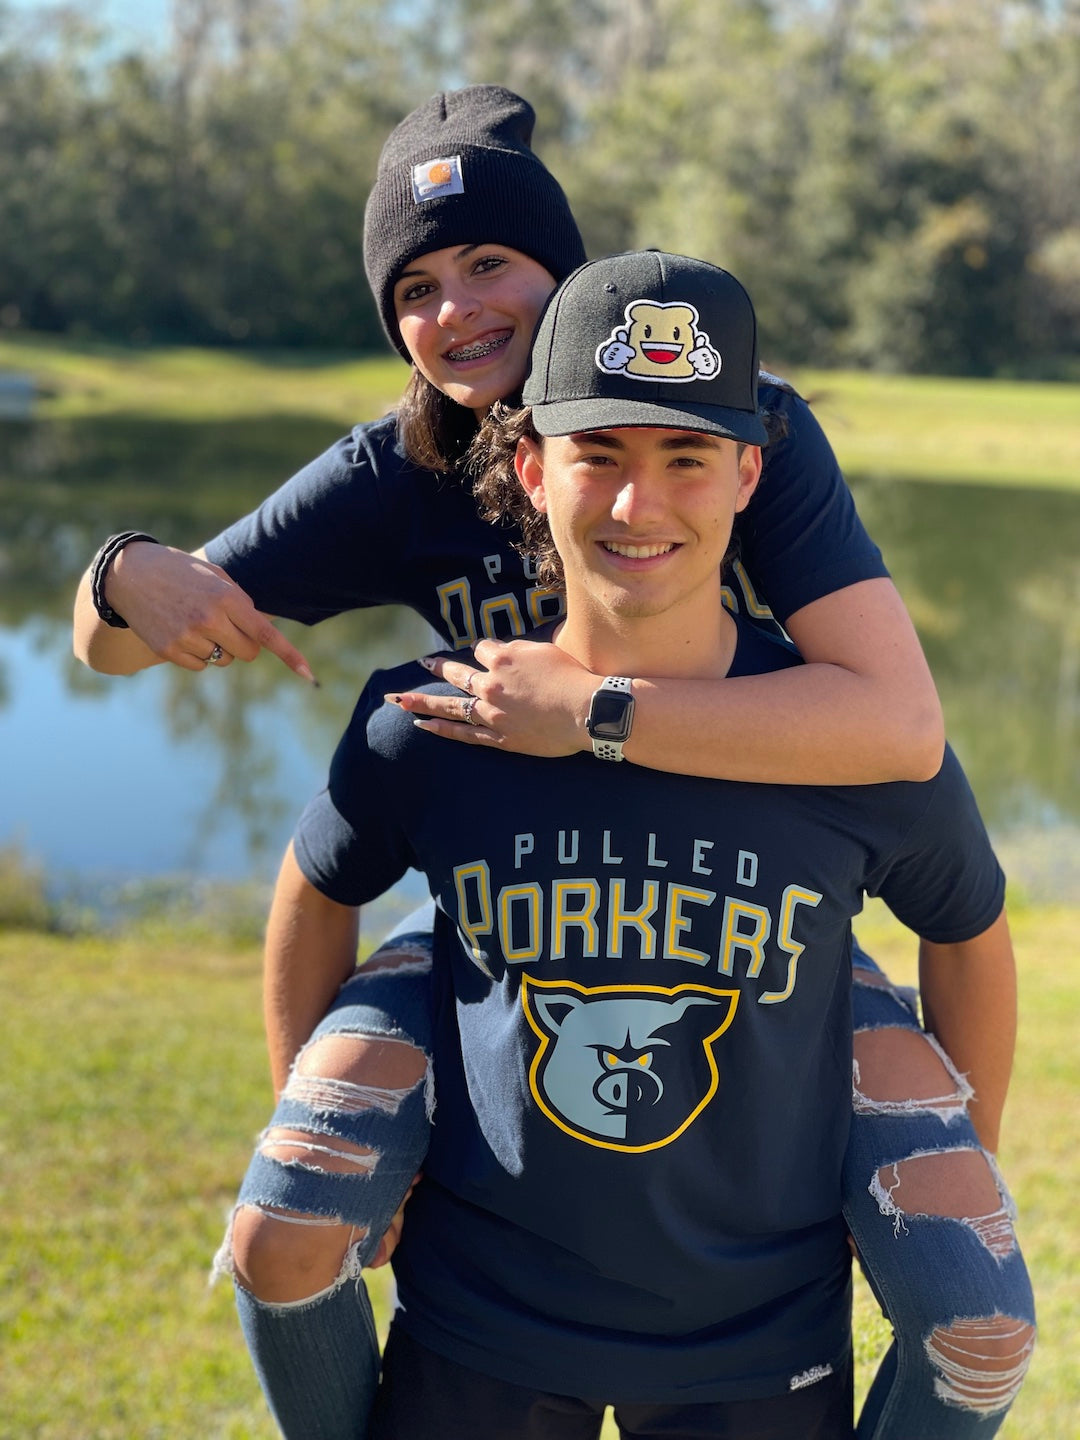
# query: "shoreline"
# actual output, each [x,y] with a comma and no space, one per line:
[912,427]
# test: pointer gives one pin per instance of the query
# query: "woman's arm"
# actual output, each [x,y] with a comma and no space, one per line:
[310,953]
[862,710]
[969,1004]
[178,607]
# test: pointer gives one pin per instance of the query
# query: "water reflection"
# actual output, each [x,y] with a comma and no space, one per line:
[167,770]
[206,772]
[992,577]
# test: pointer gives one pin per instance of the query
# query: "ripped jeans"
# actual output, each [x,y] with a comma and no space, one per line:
[327,1177]
[933,1225]
[340,1153]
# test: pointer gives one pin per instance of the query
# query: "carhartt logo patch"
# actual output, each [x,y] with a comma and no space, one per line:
[432,178]
[659,342]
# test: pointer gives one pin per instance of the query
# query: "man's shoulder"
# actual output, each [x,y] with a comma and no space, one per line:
[760,651]
[914,821]
[377,723]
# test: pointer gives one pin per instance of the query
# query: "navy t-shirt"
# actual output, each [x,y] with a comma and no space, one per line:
[642,1043]
[362,526]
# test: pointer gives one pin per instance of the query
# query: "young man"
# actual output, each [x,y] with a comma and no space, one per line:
[642,1030]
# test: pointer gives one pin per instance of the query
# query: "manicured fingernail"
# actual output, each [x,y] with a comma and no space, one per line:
[427,662]
[392,699]
[305,674]
[422,724]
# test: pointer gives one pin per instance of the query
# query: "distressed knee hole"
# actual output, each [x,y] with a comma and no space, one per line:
[898,1070]
[283,1256]
[347,1073]
[317,1151]
[870,977]
[410,956]
[951,1185]
[981,1363]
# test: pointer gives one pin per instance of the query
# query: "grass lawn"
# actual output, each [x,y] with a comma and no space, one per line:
[983,432]
[188,383]
[131,1087]
[922,427]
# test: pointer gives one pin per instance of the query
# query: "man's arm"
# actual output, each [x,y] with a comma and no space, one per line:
[969,1004]
[178,607]
[310,952]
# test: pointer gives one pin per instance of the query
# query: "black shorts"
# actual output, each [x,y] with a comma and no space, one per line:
[426,1397]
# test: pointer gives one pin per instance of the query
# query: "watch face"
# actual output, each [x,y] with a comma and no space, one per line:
[610,715]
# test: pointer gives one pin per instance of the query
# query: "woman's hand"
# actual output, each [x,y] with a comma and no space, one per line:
[530,698]
[179,608]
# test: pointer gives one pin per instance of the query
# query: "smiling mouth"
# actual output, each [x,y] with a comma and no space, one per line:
[481,349]
[662,354]
[637,552]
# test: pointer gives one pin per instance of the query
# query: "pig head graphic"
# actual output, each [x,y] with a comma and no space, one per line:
[624,1067]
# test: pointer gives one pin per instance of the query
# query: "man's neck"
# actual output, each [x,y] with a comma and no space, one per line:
[691,643]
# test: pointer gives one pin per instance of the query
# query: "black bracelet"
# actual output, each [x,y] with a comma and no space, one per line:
[100,569]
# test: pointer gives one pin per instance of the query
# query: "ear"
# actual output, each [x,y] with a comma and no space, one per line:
[529,465]
[554,1008]
[749,475]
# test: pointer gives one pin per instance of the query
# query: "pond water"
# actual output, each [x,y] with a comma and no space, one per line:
[169,774]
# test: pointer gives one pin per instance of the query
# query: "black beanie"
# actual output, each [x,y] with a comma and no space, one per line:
[459,171]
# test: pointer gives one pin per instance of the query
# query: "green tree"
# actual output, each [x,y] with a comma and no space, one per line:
[898,181]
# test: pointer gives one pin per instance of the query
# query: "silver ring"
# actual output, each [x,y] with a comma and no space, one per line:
[215,655]
[467,683]
[467,711]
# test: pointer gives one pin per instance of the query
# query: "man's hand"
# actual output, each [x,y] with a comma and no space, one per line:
[389,1242]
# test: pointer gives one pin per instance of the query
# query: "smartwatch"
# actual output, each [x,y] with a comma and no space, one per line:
[611,714]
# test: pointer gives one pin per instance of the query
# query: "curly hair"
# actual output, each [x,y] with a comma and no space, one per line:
[499,492]
[502,498]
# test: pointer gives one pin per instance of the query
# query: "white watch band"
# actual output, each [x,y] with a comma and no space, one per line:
[607,749]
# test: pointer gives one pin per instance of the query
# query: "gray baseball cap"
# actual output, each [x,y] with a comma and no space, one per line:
[647,339]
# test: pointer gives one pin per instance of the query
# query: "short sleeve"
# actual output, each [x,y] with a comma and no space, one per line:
[350,841]
[944,881]
[315,547]
[800,537]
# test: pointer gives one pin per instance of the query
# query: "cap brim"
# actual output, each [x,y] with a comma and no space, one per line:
[575,417]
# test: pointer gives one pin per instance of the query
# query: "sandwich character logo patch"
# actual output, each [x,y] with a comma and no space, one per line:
[625,1067]
[434,178]
[659,342]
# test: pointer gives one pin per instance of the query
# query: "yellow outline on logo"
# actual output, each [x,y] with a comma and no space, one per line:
[528,983]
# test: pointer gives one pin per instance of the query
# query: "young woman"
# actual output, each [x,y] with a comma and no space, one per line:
[466,234]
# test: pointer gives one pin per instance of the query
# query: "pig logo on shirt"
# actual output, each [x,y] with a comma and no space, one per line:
[659,342]
[625,1067]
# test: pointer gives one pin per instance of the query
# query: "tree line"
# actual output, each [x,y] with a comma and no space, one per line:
[897,181]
